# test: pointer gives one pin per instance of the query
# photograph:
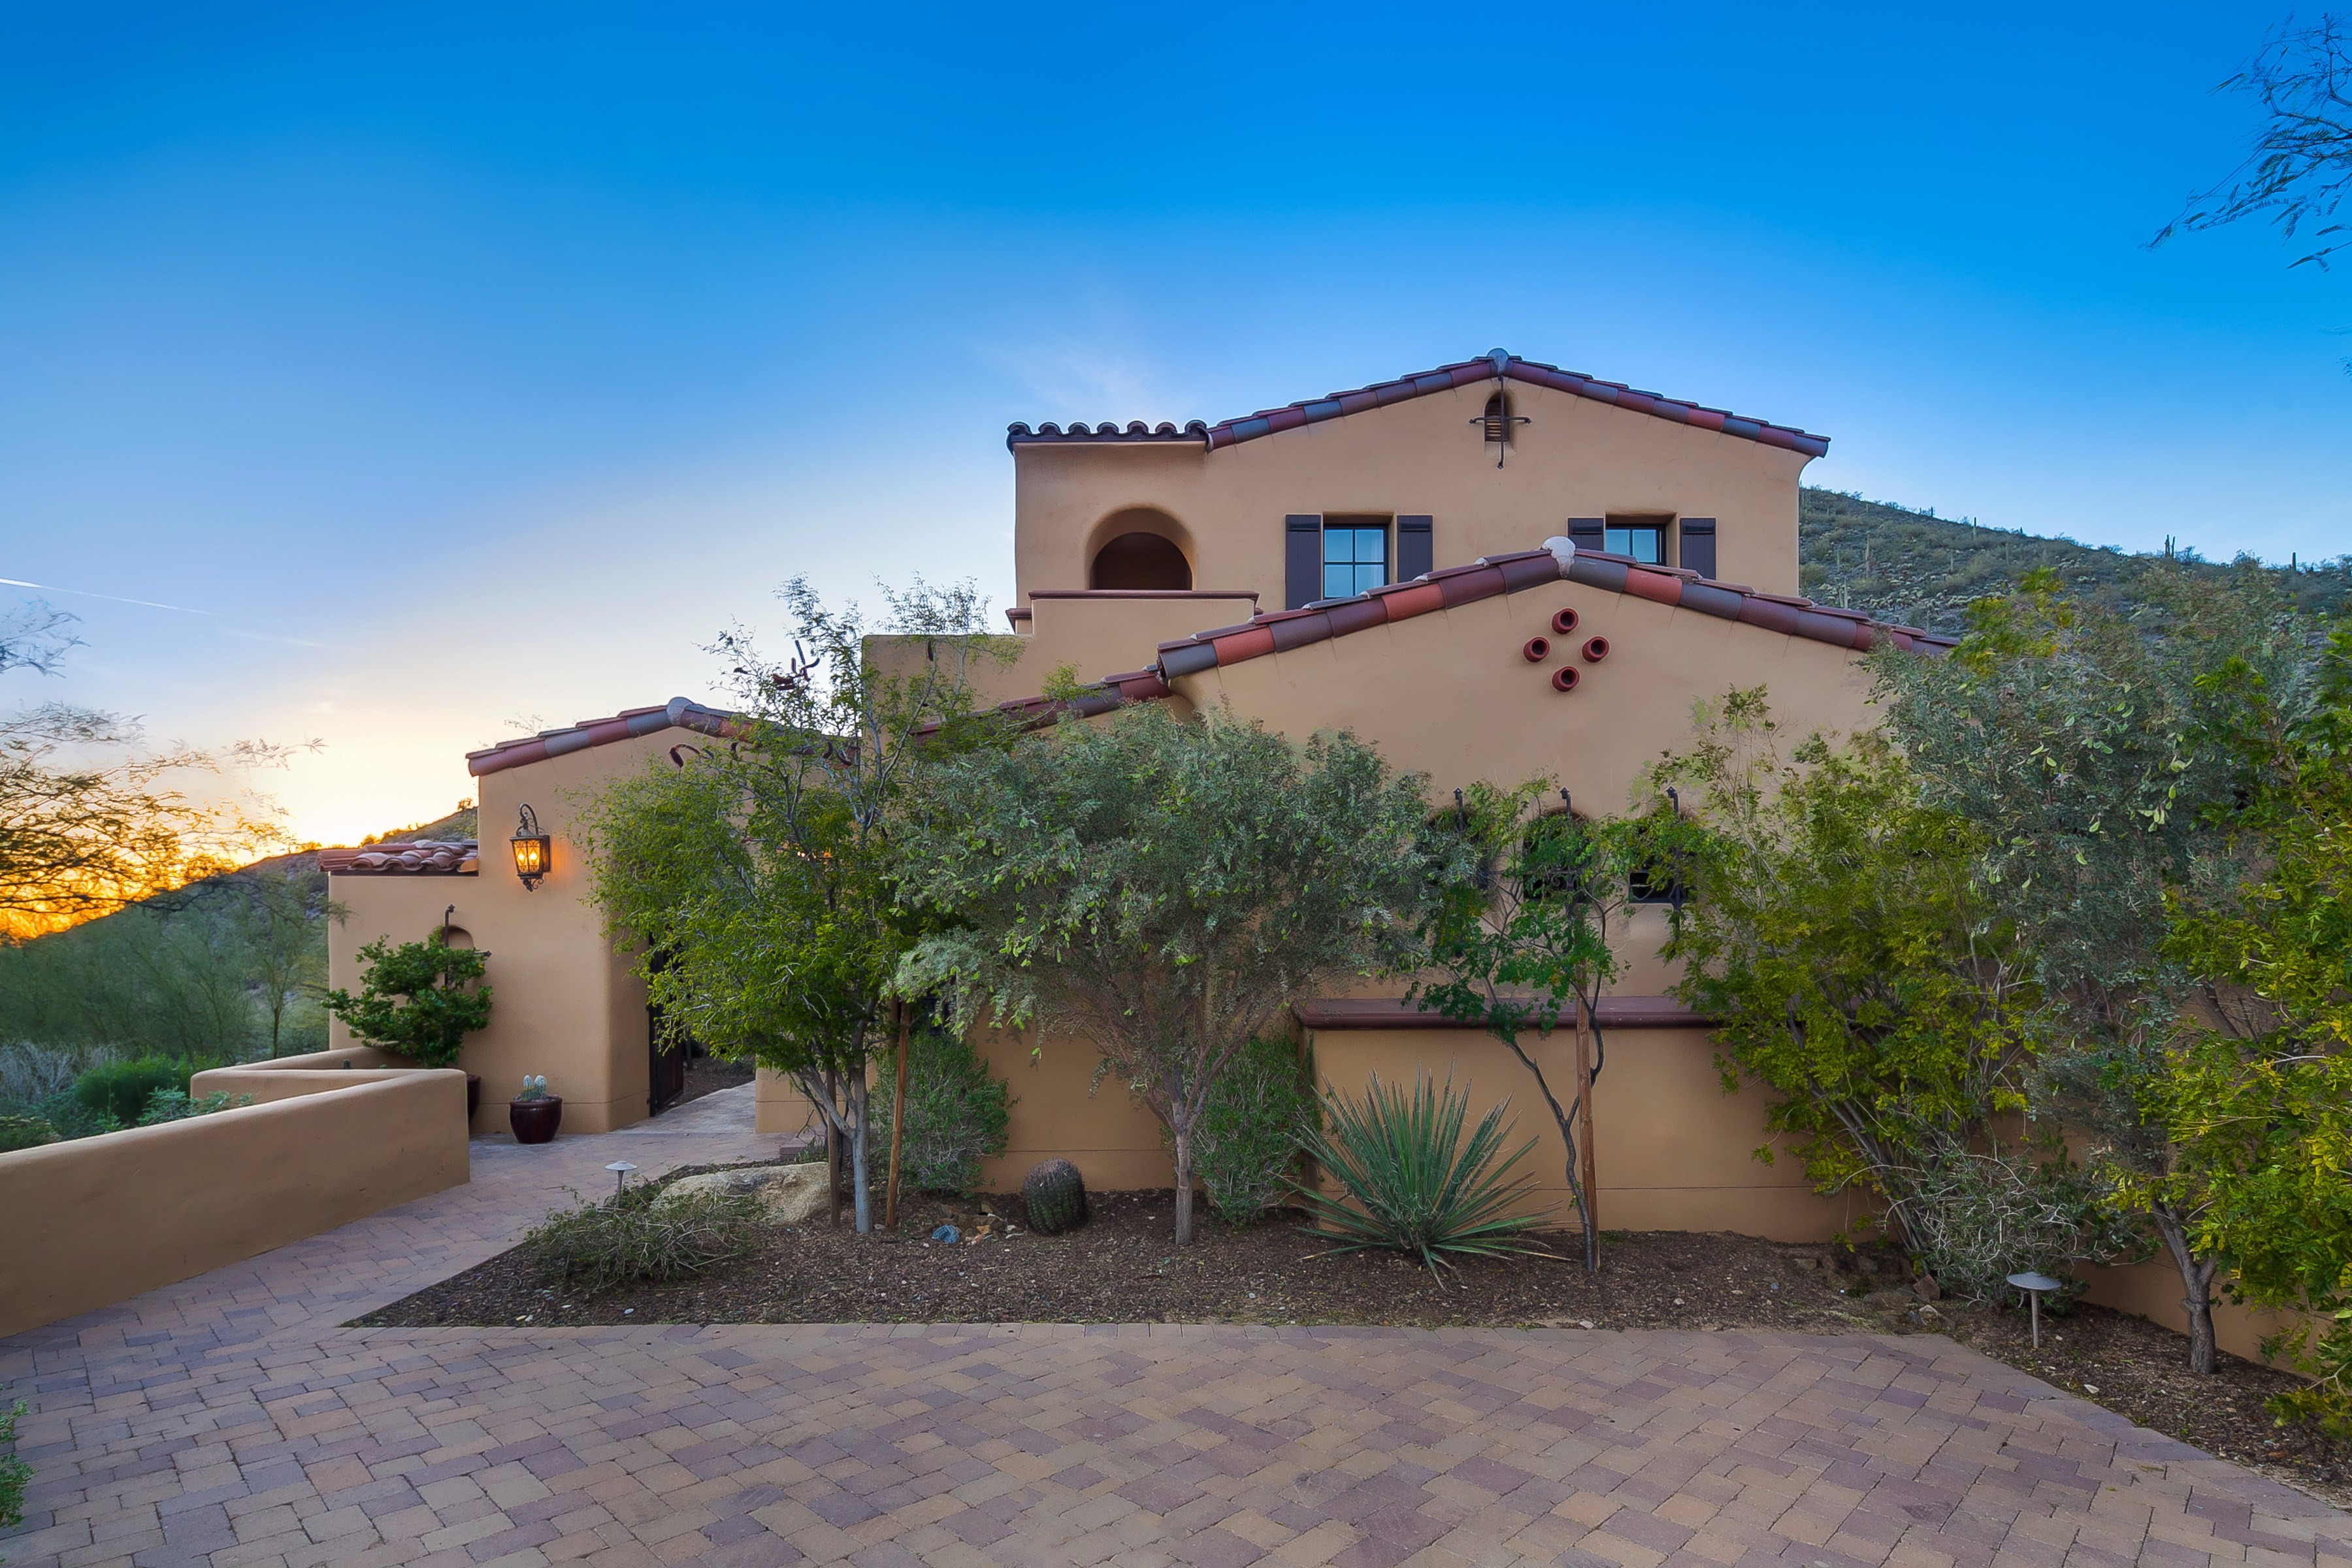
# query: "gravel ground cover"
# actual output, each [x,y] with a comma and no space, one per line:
[1122,1265]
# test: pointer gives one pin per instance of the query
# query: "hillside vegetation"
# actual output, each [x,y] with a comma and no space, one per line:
[1921,569]
[227,968]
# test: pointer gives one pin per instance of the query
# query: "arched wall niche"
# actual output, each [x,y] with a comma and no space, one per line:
[1139,547]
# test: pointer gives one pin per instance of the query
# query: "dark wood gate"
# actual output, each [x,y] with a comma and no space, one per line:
[667,1050]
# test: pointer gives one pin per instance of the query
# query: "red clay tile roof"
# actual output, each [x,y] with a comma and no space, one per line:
[420,857]
[1269,421]
[1327,618]
[1396,1013]
[678,714]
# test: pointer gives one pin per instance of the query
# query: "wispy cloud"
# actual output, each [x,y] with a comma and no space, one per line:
[159,605]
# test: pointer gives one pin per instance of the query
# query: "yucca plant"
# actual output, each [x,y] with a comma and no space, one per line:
[1413,1182]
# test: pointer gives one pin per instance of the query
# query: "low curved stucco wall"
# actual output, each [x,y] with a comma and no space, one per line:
[92,1222]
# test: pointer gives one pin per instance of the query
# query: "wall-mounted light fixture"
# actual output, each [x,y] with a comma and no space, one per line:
[534,852]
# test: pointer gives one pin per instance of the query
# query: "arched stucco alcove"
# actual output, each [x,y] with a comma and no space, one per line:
[1139,547]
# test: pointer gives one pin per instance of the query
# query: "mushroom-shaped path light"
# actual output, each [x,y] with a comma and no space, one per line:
[2034,1285]
[620,1169]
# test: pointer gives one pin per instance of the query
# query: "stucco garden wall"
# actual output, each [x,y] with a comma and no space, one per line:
[92,1221]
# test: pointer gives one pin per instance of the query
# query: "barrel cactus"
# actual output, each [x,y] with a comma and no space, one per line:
[1057,1196]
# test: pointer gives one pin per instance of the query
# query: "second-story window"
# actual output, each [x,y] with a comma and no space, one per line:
[1644,541]
[1355,556]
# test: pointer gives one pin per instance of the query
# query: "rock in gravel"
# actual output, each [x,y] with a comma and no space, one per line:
[788,1195]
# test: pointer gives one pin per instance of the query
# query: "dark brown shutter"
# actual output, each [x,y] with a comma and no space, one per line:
[1697,553]
[1585,532]
[1415,554]
[1302,559]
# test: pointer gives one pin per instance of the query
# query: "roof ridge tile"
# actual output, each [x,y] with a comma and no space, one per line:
[1445,378]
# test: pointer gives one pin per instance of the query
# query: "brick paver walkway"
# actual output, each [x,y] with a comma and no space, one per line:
[230,1420]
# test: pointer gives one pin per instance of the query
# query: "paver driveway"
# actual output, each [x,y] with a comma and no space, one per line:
[228,1420]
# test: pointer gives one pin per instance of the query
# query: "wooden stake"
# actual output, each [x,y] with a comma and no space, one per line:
[897,1126]
[1584,1136]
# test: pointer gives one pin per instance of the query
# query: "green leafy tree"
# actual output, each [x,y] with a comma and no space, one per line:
[756,881]
[282,918]
[2301,165]
[1518,933]
[1835,930]
[1163,888]
[2076,745]
[418,999]
[2259,1097]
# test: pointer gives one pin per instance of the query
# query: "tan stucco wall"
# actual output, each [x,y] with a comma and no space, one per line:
[1577,458]
[564,1003]
[1094,637]
[1448,693]
[92,1222]
[1673,1150]
[2152,1291]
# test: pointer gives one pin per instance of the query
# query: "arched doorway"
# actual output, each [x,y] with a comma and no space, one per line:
[1139,551]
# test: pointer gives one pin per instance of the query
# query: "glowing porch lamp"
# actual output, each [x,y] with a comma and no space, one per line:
[533,850]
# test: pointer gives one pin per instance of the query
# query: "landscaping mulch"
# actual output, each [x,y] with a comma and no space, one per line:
[1123,1266]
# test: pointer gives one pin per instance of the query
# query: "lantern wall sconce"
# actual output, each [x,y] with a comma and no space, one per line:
[534,853]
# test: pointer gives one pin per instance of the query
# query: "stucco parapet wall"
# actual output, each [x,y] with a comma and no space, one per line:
[1489,367]
[97,1220]
[678,714]
[1396,1013]
[1493,575]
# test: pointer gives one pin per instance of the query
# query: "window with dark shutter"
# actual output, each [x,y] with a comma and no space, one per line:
[1302,559]
[1355,555]
[1697,543]
[1415,551]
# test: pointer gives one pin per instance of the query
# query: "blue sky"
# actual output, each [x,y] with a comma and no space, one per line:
[334,329]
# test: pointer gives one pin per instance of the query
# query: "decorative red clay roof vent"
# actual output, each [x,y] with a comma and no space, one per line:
[1535,650]
[1565,677]
[1595,649]
[1563,620]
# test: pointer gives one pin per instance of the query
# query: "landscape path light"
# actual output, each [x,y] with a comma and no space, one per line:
[620,1169]
[533,850]
[2034,1284]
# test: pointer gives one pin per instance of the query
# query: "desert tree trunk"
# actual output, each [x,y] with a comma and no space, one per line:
[897,1126]
[860,1191]
[1567,1125]
[1184,1135]
[2197,1288]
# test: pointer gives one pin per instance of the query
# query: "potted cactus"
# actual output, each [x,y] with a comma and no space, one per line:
[535,1114]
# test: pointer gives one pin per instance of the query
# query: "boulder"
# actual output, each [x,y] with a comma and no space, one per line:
[788,1195]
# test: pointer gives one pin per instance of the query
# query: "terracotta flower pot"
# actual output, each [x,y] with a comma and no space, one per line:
[535,1121]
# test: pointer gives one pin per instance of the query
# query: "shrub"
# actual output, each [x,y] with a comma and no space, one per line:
[14,1472]
[1246,1145]
[1416,1185]
[119,1091]
[956,1113]
[418,1000]
[174,1105]
[1976,1218]
[31,1073]
[628,1237]
[24,1132]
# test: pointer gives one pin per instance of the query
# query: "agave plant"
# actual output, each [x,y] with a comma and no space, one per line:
[1413,1182]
